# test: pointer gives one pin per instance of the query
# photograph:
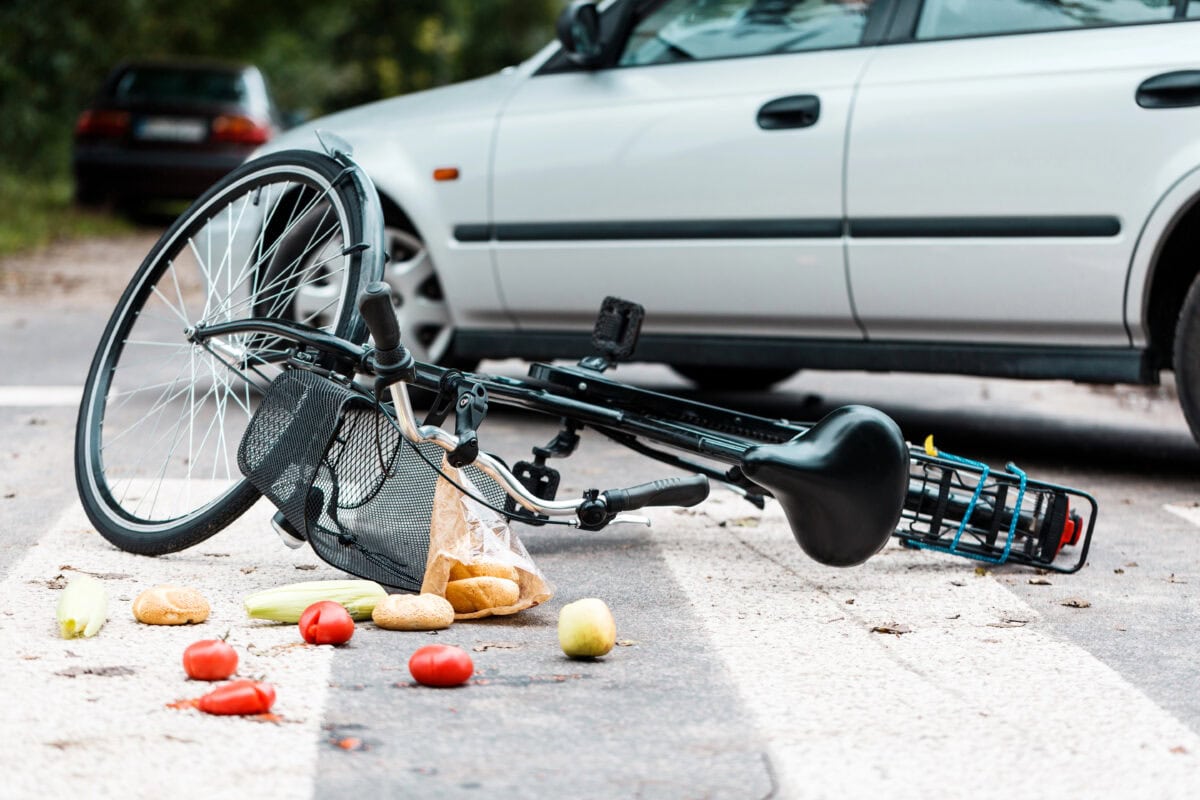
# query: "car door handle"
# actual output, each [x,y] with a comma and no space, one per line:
[796,111]
[1170,90]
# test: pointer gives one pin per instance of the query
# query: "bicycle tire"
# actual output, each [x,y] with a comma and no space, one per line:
[147,366]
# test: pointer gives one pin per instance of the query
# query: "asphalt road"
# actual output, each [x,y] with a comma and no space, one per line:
[745,671]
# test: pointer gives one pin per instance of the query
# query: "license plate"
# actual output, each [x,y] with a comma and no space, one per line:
[172,129]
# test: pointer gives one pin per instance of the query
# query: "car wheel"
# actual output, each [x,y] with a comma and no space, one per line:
[426,326]
[733,379]
[1187,357]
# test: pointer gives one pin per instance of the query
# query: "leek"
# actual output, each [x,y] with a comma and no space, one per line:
[287,603]
[82,607]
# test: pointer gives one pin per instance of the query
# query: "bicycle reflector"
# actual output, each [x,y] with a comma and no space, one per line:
[959,506]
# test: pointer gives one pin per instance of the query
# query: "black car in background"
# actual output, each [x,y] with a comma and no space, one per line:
[169,129]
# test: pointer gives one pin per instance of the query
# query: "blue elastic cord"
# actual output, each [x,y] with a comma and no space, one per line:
[984,471]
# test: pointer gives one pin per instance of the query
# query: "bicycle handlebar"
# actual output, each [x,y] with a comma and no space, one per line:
[375,305]
[680,491]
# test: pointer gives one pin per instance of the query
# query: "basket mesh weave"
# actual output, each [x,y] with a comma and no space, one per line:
[342,475]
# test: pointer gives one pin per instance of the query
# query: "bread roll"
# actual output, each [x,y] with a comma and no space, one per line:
[413,612]
[170,605]
[469,595]
[482,569]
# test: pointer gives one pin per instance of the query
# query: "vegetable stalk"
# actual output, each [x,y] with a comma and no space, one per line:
[82,607]
[286,603]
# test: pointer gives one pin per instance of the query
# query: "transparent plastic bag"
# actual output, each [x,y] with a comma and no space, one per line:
[467,540]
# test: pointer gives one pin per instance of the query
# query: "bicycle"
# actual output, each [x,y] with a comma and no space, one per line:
[242,320]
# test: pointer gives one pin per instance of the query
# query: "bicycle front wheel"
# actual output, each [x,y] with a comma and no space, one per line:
[162,414]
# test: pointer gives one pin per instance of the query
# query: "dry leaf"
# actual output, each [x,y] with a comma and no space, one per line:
[1076,602]
[1039,582]
[627,642]
[306,566]
[892,627]
[102,672]
[482,646]
[1118,571]
[981,571]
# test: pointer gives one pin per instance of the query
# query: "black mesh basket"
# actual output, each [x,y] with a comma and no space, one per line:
[337,467]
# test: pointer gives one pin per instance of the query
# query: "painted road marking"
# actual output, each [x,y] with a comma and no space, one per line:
[1190,511]
[39,396]
[113,736]
[979,700]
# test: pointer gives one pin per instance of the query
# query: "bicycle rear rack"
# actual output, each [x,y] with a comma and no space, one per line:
[995,517]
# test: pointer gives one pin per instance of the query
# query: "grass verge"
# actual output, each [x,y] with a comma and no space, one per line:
[36,211]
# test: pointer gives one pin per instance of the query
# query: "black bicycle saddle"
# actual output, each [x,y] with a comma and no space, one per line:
[842,483]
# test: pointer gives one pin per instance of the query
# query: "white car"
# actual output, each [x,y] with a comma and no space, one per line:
[990,187]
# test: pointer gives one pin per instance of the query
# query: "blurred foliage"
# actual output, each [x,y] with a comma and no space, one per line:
[35,211]
[317,56]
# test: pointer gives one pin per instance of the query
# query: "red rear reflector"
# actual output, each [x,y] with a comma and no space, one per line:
[236,128]
[103,124]
[1072,529]
[445,174]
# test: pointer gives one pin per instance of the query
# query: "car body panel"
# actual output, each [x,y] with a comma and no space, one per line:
[676,147]
[400,142]
[963,129]
[633,181]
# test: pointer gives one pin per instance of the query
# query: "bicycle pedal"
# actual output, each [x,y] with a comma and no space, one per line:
[615,333]
[287,534]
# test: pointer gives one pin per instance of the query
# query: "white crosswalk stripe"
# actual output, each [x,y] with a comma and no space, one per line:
[113,736]
[1190,511]
[978,700]
[39,396]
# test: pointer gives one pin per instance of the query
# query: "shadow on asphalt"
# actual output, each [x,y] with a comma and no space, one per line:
[998,436]
[993,436]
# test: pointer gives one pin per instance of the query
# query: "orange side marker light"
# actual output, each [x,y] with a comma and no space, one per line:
[445,174]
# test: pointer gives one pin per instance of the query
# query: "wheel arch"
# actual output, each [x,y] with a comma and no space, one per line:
[1165,262]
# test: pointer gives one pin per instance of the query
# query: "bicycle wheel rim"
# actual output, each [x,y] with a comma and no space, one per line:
[139,410]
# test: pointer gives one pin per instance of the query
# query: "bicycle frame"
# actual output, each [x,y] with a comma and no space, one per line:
[942,510]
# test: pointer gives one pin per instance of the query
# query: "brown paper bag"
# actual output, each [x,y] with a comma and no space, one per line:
[464,531]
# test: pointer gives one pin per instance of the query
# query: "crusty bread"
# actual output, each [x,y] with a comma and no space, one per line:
[482,569]
[469,595]
[413,612]
[170,605]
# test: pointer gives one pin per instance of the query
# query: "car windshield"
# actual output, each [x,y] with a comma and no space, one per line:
[163,83]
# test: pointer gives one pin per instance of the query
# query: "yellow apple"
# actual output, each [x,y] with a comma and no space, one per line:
[586,628]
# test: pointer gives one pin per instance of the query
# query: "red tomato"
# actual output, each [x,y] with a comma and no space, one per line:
[209,660]
[441,665]
[326,622]
[239,697]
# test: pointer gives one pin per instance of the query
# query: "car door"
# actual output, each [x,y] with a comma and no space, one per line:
[1002,162]
[701,175]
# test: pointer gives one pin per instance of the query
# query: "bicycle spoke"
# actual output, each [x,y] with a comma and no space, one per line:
[168,427]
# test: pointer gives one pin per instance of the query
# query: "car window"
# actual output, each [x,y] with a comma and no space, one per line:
[156,83]
[686,30]
[1193,9]
[949,18]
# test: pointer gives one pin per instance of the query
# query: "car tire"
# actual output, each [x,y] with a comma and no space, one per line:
[1187,357]
[425,319]
[733,379]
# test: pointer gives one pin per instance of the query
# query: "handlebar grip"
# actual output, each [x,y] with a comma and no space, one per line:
[666,492]
[375,305]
